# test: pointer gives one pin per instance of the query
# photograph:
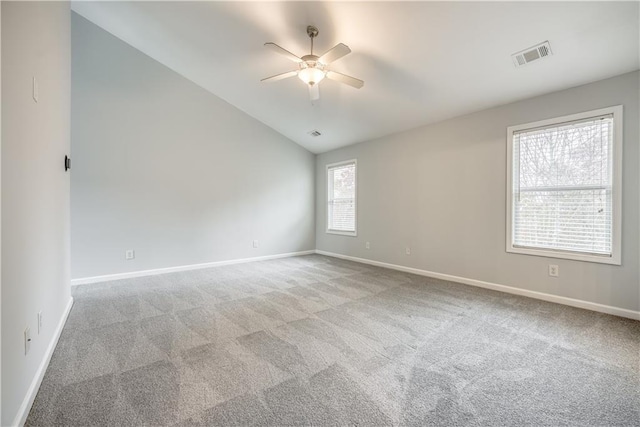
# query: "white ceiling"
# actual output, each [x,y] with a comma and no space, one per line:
[422,62]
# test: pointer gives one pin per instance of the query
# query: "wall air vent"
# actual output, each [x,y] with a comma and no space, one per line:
[315,133]
[532,54]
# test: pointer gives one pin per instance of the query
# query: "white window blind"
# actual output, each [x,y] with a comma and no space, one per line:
[563,185]
[342,198]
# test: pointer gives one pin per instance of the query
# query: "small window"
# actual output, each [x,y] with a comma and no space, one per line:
[564,187]
[341,206]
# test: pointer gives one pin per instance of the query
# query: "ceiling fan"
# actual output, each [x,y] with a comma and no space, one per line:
[312,68]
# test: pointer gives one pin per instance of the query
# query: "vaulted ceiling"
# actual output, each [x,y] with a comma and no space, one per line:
[422,62]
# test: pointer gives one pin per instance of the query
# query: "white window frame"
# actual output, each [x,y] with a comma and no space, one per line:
[616,214]
[355,199]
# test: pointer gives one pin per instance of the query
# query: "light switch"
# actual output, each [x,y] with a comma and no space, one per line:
[35,90]
[27,340]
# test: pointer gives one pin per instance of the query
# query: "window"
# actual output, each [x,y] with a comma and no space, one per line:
[341,206]
[564,187]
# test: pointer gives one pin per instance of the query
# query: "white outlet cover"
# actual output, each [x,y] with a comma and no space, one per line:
[554,270]
[367,245]
[130,254]
[255,244]
[407,251]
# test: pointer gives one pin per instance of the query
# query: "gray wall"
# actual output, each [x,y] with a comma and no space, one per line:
[166,168]
[440,190]
[35,188]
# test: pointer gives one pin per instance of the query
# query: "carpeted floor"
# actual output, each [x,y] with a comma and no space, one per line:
[319,341]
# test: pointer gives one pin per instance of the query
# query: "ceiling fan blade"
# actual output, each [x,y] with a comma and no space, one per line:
[314,92]
[282,51]
[280,76]
[335,53]
[343,78]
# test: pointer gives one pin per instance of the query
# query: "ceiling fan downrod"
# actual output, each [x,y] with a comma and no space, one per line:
[312,32]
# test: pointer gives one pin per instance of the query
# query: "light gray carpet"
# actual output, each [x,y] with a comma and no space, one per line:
[319,341]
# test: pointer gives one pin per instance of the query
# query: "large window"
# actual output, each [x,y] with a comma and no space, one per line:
[564,187]
[341,206]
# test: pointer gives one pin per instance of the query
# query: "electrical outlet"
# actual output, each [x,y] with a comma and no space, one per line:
[27,340]
[367,245]
[554,270]
[255,243]
[407,250]
[129,254]
[39,322]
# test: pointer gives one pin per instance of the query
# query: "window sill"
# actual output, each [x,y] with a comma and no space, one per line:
[343,233]
[600,259]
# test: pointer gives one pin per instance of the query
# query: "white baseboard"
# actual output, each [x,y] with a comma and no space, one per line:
[602,308]
[119,276]
[23,412]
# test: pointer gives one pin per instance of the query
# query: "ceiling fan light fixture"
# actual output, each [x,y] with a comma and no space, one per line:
[311,75]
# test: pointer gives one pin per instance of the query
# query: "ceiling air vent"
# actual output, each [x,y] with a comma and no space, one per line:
[533,53]
[315,133]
